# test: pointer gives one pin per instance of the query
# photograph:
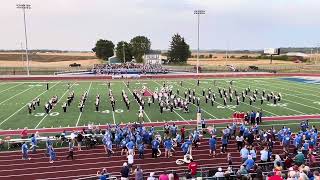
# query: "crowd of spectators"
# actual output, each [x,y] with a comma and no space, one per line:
[255,145]
[127,68]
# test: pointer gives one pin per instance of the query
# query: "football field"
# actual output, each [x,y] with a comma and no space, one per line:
[299,97]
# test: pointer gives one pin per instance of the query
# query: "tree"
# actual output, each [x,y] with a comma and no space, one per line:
[104,49]
[179,51]
[140,45]
[124,49]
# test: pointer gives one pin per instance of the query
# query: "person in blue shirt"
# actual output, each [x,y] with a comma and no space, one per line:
[286,143]
[224,140]
[34,143]
[212,144]
[103,175]
[249,163]
[52,154]
[178,139]
[141,150]
[168,146]
[130,147]
[109,148]
[244,152]
[48,143]
[155,147]
[24,150]
[185,147]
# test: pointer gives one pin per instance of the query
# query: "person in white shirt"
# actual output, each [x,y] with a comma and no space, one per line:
[130,161]
[219,174]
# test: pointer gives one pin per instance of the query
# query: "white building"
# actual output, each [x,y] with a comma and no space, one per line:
[154,59]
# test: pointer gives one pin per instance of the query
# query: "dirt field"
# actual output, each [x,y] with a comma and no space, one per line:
[48,60]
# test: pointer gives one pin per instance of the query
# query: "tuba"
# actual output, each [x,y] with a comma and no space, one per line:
[186,160]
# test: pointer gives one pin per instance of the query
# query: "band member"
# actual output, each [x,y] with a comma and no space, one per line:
[46,107]
[212,101]
[180,83]
[109,85]
[38,102]
[251,99]
[149,101]
[203,92]
[262,99]
[198,82]
[47,86]
[29,108]
[263,93]
[128,84]
[225,101]
[97,103]
[238,100]
[64,107]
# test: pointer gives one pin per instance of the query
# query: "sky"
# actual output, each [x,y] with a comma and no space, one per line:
[228,24]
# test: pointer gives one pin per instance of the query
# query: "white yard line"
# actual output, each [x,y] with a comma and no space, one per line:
[52,108]
[25,105]
[11,87]
[84,105]
[16,95]
[306,87]
[136,101]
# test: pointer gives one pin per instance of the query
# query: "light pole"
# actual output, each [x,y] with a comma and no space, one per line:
[24,7]
[124,54]
[198,13]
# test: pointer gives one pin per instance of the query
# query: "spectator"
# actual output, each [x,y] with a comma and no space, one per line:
[163,176]
[239,140]
[264,155]
[193,167]
[151,176]
[52,154]
[130,161]
[276,176]
[125,172]
[244,152]
[24,133]
[168,145]
[242,171]
[141,150]
[299,159]
[130,146]
[71,148]
[138,173]
[219,174]
[224,141]
[79,139]
[249,163]
[316,175]
[103,175]
[212,144]
[1,144]
[24,149]
[155,148]
[34,143]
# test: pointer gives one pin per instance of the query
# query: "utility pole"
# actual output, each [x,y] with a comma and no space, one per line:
[198,13]
[24,7]
[124,54]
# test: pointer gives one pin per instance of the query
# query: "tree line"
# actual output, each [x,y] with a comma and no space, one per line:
[179,50]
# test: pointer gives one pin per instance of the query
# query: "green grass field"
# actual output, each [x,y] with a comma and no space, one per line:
[298,98]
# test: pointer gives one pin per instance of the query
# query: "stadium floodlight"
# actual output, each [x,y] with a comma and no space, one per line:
[198,13]
[24,7]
